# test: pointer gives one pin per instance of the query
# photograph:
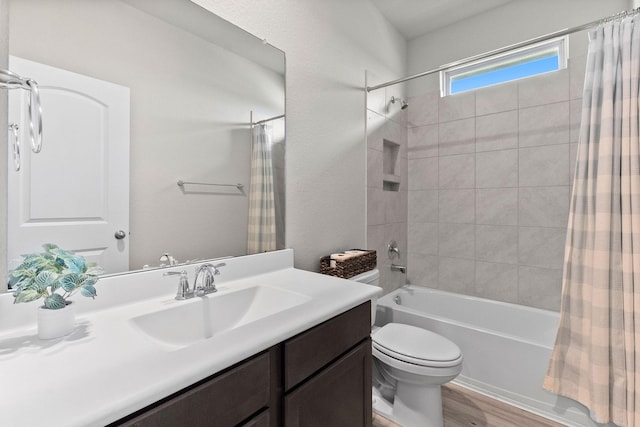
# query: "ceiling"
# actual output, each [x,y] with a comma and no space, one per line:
[414,18]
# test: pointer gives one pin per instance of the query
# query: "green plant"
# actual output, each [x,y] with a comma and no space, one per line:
[54,275]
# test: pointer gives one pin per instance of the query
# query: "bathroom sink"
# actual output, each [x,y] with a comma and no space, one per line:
[200,318]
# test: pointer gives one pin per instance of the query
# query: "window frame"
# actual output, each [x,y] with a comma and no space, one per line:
[560,45]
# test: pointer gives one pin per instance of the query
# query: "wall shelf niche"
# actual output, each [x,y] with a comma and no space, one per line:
[390,177]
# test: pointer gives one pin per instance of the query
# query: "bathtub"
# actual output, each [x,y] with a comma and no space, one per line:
[506,347]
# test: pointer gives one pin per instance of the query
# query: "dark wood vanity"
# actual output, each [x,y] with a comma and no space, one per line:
[320,377]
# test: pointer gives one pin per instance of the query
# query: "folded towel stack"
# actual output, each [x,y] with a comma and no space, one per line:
[343,256]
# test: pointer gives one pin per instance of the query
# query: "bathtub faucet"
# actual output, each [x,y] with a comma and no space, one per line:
[401,268]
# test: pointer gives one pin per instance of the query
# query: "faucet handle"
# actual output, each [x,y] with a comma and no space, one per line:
[216,272]
[183,287]
[392,250]
[167,257]
[175,273]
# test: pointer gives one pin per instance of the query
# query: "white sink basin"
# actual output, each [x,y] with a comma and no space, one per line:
[200,318]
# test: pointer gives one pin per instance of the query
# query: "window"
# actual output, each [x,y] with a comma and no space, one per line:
[517,64]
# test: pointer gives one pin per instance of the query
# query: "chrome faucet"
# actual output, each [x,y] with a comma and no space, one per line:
[208,271]
[209,286]
[401,268]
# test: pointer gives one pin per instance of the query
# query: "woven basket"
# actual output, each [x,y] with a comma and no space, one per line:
[350,267]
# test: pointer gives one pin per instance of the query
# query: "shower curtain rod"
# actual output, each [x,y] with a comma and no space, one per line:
[535,40]
[259,122]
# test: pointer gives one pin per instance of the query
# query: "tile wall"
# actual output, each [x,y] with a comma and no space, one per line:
[387,204]
[489,175]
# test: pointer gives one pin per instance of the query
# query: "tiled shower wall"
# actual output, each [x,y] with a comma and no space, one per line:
[387,202]
[489,176]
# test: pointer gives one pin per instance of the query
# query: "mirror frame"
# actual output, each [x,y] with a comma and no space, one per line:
[153,8]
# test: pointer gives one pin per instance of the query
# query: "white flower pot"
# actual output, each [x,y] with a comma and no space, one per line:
[56,323]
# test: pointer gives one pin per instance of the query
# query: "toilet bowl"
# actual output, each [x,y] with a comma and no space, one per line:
[410,365]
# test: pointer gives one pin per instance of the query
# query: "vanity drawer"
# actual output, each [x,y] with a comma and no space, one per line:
[310,351]
[224,400]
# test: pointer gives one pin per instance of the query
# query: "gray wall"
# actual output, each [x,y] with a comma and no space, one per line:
[279,175]
[329,44]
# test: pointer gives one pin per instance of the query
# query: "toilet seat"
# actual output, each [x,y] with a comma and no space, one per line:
[417,346]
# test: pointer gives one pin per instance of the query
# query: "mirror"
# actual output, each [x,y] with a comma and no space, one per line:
[195,84]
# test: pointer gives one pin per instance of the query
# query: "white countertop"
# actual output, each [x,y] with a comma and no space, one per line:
[107,368]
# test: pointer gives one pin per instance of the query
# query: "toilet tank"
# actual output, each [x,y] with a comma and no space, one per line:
[371,277]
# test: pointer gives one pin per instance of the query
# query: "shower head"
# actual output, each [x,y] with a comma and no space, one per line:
[403,104]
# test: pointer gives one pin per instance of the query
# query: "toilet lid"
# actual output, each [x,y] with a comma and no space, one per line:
[415,344]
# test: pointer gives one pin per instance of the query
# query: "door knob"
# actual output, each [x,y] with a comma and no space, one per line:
[120,234]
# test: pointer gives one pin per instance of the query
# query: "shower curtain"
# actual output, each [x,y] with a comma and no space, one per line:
[261,227]
[596,358]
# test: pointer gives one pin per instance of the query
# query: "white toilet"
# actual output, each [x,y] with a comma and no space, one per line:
[410,365]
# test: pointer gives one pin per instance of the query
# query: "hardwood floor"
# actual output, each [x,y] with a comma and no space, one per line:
[465,408]
[380,421]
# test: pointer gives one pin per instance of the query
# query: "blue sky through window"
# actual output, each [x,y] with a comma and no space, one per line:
[505,74]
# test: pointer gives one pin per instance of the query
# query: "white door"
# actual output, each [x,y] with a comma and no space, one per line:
[75,192]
